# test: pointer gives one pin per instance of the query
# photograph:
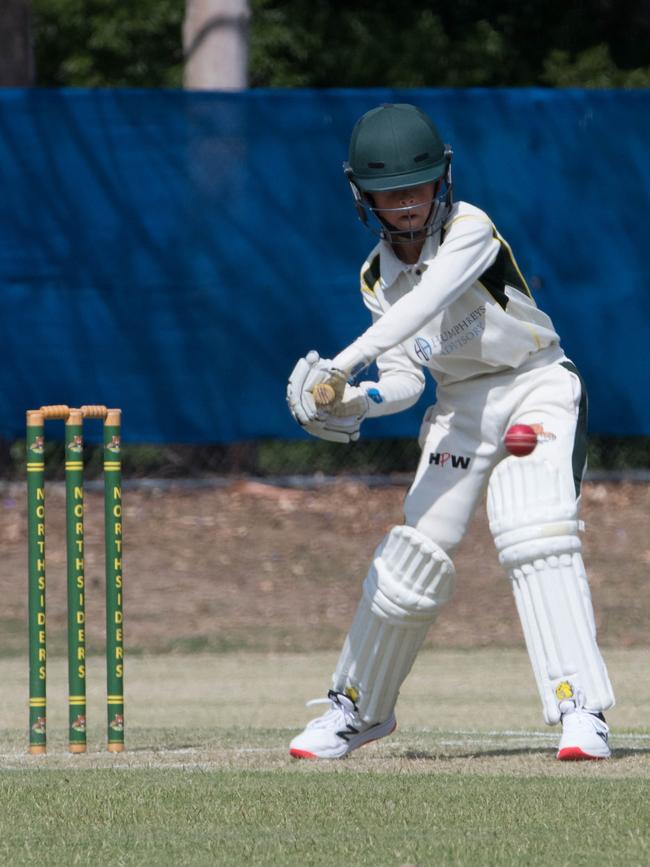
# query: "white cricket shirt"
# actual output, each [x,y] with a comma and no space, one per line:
[463,310]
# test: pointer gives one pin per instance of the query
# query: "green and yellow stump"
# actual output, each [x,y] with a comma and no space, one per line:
[76,591]
[114,602]
[36,582]
[76,581]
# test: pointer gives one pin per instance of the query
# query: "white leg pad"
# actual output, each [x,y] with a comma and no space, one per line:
[410,578]
[533,519]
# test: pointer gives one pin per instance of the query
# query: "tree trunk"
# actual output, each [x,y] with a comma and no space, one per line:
[215,43]
[16,52]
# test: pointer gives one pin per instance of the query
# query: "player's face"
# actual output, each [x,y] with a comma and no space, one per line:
[406,209]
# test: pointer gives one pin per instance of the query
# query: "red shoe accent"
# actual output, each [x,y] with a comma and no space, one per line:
[575,754]
[302,754]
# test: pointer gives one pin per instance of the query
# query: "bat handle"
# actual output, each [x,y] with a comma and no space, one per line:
[324,395]
[329,392]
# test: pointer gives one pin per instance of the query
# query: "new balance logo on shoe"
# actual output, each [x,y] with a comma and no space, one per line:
[347,732]
[338,731]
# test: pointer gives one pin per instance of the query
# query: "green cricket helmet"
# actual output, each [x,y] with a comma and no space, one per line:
[393,147]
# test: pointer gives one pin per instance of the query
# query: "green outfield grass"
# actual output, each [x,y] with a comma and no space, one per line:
[233,817]
[469,778]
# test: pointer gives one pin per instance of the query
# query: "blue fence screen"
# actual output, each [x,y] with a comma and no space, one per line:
[173,253]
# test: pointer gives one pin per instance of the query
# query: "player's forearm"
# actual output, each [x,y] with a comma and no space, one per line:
[393,393]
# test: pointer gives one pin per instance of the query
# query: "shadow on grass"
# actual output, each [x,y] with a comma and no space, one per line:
[422,755]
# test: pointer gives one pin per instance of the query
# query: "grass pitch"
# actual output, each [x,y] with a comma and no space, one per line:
[468,778]
[244,817]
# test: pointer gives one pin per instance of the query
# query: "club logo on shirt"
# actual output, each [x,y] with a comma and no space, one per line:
[423,349]
[458,462]
[453,338]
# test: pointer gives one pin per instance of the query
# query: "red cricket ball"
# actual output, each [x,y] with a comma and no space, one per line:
[520,440]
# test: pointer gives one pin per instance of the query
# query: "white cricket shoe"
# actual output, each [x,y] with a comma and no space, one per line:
[338,731]
[584,734]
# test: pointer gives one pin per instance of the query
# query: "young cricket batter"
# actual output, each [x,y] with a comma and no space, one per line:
[446,295]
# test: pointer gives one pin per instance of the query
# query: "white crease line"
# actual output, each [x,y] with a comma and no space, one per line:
[522,734]
[261,749]
[470,737]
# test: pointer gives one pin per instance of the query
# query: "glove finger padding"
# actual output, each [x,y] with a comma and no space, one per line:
[354,402]
[335,430]
[307,373]
[296,395]
[339,422]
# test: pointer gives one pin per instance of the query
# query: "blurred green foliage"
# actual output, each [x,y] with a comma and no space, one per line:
[101,43]
[272,458]
[333,43]
[336,43]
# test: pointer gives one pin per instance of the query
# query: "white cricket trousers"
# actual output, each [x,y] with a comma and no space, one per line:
[462,439]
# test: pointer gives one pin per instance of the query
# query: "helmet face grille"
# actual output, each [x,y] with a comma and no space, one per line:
[395,146]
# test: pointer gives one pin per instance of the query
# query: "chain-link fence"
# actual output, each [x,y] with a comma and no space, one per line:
[279,460]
